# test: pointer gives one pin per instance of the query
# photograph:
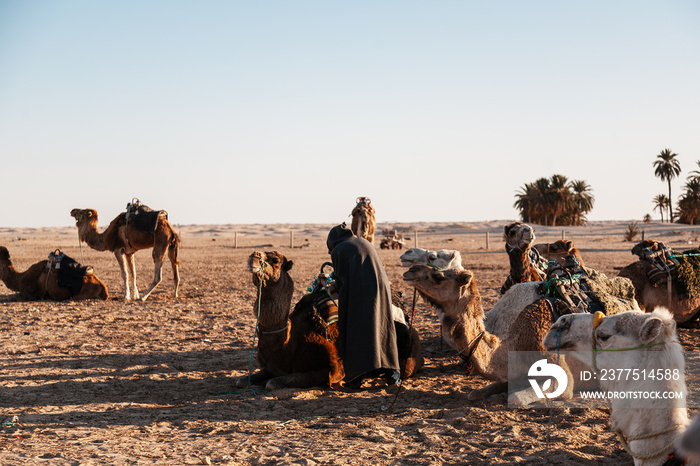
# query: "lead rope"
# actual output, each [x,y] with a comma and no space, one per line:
[255,333]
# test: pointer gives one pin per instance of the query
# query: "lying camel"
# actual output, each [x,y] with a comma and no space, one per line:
[684,308]
[300,349]
[526,265]
[455,296]
[640,342]
[45,280]
[558,250]
[442,259]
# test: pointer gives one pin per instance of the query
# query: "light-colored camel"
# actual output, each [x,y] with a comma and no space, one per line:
[41,280]
[301,349]
[442,259]
[526,265]
[124,241]
[363,222]
[455,297]
[558,250]
[632,343]
[652,296]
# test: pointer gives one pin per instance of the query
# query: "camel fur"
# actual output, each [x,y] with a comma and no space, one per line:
[455,297]
[294,350]
[558,250]
[660,420]
[363,222]
[40,281]
[124,242]
[442,259]
[526,265]
[684,308]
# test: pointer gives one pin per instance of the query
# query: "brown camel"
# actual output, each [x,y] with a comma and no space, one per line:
[526,265]
[299,349]
[455,295]
[363,222]
[683,307]
[124,240]
[45,280]
[558,250]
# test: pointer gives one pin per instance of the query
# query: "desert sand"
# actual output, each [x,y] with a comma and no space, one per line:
[127,383]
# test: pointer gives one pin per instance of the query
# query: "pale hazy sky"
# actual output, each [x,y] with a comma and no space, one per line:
[286,111]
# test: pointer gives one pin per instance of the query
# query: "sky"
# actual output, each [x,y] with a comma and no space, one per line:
[286,111]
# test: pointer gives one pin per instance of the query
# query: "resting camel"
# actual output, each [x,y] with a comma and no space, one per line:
[455,296]
[363,221]
[44,280]
[637,341]
[299,349]
[526,265]
[442,259]
[558,250]
[124,241]
[651,296]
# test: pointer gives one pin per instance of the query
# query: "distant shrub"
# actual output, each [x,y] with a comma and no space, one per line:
[632,231]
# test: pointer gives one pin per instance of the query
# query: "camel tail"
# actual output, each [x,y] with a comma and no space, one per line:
[174,249]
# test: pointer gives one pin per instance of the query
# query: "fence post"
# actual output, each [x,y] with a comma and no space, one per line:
[563,235]
[235,240]
[415,238]
[487,240]
[291,239]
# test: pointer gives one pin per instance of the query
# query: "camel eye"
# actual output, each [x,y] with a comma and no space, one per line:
[604,337]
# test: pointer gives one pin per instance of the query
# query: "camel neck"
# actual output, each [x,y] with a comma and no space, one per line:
[89,234]
[9,276]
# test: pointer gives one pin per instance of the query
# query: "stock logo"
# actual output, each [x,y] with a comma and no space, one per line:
[542,368]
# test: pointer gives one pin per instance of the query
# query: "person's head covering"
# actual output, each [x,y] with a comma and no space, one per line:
[338,234]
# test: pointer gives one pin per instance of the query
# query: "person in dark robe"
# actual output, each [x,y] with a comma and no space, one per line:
[365,320]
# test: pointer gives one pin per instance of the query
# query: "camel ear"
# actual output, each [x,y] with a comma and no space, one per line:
[651,330]
[569,244]
[465,278]
[287,265]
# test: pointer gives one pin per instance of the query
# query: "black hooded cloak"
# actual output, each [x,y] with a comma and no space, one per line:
[365,323]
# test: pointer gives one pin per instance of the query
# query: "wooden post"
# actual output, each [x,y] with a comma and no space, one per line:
[235,240]
[291,239]
[642,235]
[563,235]
[487,240]
[415,238]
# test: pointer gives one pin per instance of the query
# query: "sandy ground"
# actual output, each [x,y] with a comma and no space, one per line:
[124,383]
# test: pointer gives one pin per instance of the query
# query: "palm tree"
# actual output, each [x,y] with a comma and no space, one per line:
[554,201]
[689,202]
[582,199]
[660,203]
[667,168]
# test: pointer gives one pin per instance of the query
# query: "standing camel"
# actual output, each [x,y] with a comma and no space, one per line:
[124,240]
[363,222]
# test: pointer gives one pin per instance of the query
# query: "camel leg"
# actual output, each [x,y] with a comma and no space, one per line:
[492,389]
[121,259]
[132,275]
[157,272]
[176,271]
[256,378]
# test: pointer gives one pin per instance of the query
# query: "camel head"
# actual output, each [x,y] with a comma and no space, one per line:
[646,244]
[574,332]
[557,250]
[4,255]
[272,265]
[444,258]
[518,236]
[441,287]
[83,216]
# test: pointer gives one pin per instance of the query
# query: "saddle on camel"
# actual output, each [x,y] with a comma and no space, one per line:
[571,288]
[70,273]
